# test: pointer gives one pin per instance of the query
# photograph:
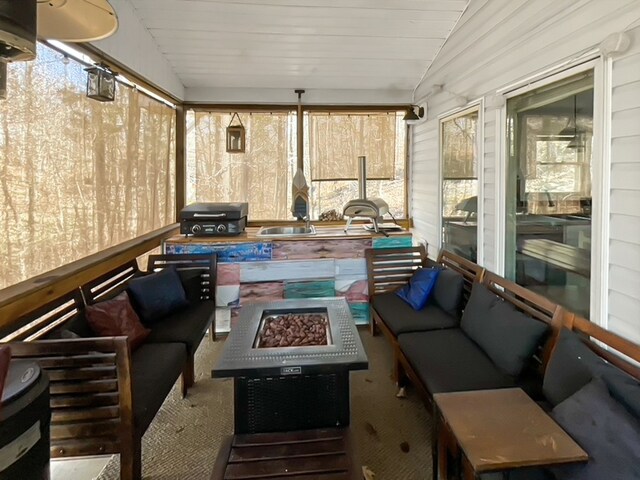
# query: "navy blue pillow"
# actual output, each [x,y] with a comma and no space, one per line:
[605,430]
[420,287]
[157,295]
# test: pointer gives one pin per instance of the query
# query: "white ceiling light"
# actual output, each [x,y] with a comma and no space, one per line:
[76,20]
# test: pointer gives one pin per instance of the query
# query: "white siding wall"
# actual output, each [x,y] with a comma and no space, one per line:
[624,257]
[133,46]
[498,43]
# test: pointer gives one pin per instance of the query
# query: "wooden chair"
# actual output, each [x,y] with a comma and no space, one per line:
[91,397]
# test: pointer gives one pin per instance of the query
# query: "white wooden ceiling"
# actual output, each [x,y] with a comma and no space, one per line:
[288,44]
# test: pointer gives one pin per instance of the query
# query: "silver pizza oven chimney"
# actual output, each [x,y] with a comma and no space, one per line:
[372,208]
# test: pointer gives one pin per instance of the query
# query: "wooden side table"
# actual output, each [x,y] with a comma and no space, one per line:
[303,454]
[498,430]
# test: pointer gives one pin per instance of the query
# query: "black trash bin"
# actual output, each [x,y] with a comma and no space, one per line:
[25,418]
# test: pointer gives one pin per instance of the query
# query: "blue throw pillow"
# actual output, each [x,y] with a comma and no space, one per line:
[420,287]
[605,430]
[157,295]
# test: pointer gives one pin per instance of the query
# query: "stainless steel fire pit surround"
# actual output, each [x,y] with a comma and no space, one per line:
[239,357]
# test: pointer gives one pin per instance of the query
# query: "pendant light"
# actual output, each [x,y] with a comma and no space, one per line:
[571,128]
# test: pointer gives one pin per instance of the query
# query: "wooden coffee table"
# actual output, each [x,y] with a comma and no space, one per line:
[499,430]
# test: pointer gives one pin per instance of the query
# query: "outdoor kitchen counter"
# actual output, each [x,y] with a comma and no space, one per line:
[322,233]
[254,268]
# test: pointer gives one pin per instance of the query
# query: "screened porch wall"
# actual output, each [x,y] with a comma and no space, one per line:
[499,43]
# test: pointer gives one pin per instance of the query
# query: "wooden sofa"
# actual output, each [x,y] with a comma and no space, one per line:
[390,269]
[448,360]
[103,397]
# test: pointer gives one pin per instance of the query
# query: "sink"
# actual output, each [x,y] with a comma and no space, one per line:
[286,231]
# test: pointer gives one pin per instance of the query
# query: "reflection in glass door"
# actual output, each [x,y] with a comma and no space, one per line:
[548,200]
[459,155]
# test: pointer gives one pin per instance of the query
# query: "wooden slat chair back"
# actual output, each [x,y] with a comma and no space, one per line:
[42,321]
[90,393]
[532,304]
[109,284]
[615,349]
[470,271]
[206,263]
[391,268]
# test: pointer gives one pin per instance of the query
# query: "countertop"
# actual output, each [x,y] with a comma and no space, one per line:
[329,232]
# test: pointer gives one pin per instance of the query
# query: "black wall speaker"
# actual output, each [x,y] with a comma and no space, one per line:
[18,30]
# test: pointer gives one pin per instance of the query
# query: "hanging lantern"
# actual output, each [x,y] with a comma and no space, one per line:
[235,136]
[101,83]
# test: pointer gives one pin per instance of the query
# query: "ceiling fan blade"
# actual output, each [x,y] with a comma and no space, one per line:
[76,20]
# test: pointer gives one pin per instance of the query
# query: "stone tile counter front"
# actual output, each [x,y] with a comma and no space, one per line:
[253,269]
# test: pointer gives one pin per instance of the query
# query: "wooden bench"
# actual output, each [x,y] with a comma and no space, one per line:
[325,454]
[523,300]
[92,391]
[390,269]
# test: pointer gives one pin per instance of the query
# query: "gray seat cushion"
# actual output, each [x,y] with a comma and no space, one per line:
[155,369]
[449,361]
[401,318]
[572,365]
[605,430]
[186,326]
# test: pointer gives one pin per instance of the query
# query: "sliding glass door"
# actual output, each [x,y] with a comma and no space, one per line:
[548,196]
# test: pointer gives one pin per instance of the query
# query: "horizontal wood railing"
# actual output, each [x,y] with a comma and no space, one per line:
[31,294]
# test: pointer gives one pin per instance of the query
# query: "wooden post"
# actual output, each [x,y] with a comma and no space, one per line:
[181,141]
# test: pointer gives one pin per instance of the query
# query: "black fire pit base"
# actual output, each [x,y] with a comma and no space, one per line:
[292,402]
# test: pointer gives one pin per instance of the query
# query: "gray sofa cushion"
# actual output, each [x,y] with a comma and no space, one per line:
[185,326]
[572,365]
[507,336]
[605,430]
[477,309]
[447,294]
[449,361]
[401,318]
[154,370]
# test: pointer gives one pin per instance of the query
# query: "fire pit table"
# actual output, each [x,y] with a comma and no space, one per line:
[290,361]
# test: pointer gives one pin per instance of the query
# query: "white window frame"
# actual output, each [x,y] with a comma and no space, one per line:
[601,173]
[473,106]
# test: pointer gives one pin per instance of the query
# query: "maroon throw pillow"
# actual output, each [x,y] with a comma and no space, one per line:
[116,317]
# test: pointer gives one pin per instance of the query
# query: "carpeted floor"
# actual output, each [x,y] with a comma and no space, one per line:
[393,435]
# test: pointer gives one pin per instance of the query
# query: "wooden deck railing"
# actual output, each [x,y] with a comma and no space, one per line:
[31,294]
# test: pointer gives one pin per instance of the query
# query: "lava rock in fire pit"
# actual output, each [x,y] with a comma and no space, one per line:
[294,330]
